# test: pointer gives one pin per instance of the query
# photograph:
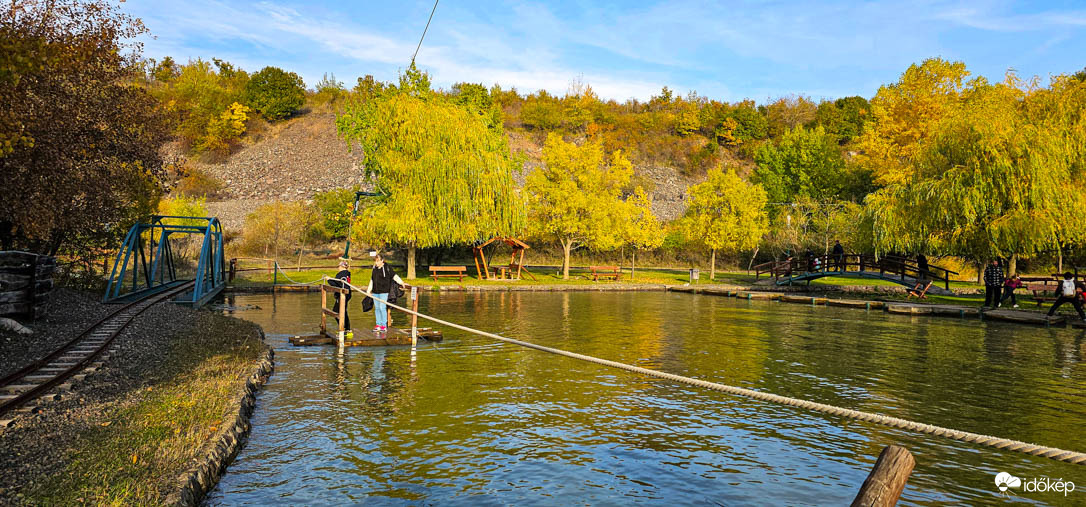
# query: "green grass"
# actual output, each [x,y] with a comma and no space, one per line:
[146,439]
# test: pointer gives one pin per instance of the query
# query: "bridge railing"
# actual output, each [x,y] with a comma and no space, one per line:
[829,264]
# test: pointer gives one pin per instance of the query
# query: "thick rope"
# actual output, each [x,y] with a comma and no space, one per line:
[318,282]
[1073,457]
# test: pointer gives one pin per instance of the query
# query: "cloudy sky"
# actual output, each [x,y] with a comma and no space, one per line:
[723,50]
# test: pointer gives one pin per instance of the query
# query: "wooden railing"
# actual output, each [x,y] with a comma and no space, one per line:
[890,266]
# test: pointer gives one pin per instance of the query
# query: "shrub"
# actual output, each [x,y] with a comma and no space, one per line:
[223,130]
[335,208]
[196,182]
[275,93]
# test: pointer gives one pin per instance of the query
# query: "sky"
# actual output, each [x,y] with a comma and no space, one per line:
[728,51]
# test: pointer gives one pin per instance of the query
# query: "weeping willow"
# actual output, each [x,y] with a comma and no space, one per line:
[445,175]
[1004,176]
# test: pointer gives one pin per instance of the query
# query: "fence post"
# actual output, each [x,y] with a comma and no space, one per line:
[342,299]
[887,479]
[414,316]
[324,306]
[275,276]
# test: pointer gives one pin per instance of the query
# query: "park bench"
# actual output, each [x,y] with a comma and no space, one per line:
[1043,293]
[457,272]
[605,272]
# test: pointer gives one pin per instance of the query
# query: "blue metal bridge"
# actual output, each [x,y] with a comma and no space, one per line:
[156,257]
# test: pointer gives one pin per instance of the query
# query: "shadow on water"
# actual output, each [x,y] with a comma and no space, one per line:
[475,422]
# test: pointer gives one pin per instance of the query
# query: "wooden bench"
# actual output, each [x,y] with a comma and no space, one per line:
[605,272]
[457,272]
[1043,293]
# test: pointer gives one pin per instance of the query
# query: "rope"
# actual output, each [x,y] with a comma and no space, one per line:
[1072,457]
[318,282]
[424,31]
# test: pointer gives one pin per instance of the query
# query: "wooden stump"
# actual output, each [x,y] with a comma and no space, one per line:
[887,479]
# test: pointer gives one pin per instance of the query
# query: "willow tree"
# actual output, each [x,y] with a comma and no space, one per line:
[1003,176]
[576,197]
[444,177]
[724,212]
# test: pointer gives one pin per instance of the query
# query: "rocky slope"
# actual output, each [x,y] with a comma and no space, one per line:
[303,156]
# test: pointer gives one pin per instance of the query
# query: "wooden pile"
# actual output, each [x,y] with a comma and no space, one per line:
[26,279]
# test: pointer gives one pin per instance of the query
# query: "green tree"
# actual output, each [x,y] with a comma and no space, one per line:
[275,93]
[576,197]
[725,213]
[445,176]
[336,207]
[803,162]
[843,118]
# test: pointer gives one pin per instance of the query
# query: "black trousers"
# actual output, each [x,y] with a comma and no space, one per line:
[1008,292]
[1068,299]
[991,295]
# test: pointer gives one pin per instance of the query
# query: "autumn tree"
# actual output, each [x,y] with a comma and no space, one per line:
[843,118]
[576,197]
[275,93]
[444,176]
[1002,176]
[724,212]
[787,113]
[642,230]
[79,144]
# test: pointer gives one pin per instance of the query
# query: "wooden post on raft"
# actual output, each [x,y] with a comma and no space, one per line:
[342,299]
[324,306]
[887,479]
[414,316]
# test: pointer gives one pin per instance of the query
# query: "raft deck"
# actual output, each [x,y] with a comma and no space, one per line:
[368,338]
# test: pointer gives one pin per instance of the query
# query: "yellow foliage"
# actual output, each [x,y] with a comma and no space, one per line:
[224,129]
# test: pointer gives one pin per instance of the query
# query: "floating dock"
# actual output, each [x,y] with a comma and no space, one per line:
[1022,317]
[368,338]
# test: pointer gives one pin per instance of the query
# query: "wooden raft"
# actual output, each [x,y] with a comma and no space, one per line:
[1024,317]
[368,338]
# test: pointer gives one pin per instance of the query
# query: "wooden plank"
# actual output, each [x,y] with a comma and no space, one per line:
[338,290]
[368,338]
[855,303]
[807,300]
[887,479]
[1024,317]
[766,296]
[908,309]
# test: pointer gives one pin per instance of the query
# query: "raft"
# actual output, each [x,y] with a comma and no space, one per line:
[1025,317]
[757,295]
[369,338]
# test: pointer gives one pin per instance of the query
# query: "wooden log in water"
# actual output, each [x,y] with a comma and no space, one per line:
[715,292]
[807,300]
[684,289]
[887,479]
[1022,317]
[908,309]
[768,296]
[854,303]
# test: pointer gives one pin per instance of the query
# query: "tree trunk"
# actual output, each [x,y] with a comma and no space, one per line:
[1012,266]
[752,257]
[566,246]
[712,266]
[633,263]
[411,261]
[1059,262]
[980,272]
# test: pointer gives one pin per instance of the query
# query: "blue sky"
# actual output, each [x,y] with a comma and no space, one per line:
[722,50]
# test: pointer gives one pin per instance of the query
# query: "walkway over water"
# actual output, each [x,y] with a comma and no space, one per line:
[899,270]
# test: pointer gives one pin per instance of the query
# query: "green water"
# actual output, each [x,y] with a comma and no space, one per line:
[477,422]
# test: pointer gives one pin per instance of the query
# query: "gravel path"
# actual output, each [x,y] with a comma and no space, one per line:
[68,313]
[38,445]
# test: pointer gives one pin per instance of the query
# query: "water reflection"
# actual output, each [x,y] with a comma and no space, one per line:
[472,421]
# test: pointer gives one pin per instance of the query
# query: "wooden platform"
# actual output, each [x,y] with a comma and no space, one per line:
[807,300]
[1022,317]
[920,309]
[853,303]
[369,338]
[757,295]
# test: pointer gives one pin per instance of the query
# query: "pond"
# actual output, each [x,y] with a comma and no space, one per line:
[473,421]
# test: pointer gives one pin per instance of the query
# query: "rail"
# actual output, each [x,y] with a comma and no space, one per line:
[894,268]
[76,354]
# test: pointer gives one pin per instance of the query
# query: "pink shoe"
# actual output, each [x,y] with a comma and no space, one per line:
[376,329]
[384,328]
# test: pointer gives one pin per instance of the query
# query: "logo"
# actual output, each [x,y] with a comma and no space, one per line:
[1005,481]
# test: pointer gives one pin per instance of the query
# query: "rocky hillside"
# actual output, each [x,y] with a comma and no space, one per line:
[298,158]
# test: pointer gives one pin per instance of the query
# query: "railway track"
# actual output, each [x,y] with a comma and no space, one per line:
[42,376]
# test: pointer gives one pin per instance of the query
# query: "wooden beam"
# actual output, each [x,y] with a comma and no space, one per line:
[887,479]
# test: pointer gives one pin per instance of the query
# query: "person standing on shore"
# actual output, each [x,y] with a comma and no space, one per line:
[839,255]
[922,265]
[993,283]
[344,275]
[381,279]
[1068,292]
[1012,283]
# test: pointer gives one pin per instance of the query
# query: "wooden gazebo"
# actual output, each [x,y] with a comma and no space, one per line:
[502,272]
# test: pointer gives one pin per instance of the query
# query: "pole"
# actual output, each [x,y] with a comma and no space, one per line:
[414,316]
[342,315]
[887,479]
